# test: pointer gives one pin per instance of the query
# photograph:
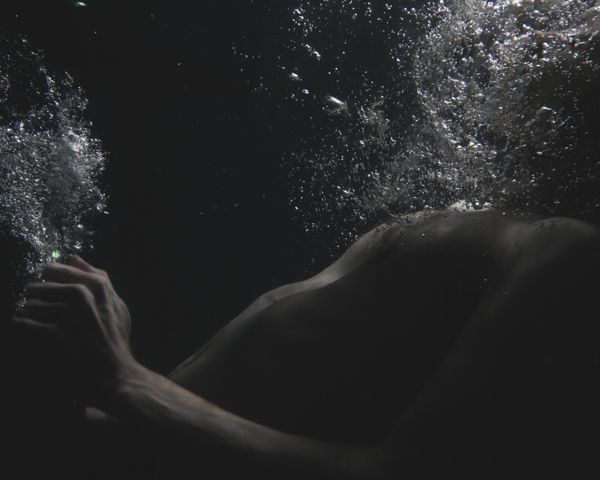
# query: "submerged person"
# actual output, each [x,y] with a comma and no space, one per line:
[454,343]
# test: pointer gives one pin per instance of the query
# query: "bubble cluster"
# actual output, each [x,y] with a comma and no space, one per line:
[416,106]
[501,88]
[360,91]
[49,162]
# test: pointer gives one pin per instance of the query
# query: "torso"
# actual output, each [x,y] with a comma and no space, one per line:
[360,347]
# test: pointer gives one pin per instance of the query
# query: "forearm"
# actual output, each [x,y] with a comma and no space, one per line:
[154,402]
[97,322]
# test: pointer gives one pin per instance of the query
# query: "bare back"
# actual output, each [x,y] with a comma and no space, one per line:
[341,356]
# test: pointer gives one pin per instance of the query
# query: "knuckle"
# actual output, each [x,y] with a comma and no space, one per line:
[81,293]
[102,290]
[102,273]
[98,283]
[95,278]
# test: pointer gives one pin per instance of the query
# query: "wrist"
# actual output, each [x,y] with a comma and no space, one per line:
[115,393]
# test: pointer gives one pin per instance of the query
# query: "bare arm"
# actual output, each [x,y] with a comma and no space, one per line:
[488,384]
[156,403]
[79,301]
[365,247]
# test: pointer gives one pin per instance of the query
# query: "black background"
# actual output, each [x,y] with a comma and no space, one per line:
[200,222]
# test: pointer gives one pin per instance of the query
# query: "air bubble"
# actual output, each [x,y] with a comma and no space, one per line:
[470,100]
[50,163]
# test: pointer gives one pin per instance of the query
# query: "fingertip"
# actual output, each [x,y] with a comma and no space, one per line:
[74,259]
[17,319]
[77,261]
[48,268]
[32,285]
[21,322]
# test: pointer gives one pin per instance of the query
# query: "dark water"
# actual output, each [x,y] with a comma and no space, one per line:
[241,146]
[246,147]
[471,103]
[195,191]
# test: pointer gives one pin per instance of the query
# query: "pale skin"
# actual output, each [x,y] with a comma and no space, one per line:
[420,351]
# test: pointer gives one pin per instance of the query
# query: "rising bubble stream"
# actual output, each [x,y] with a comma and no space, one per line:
[420,105]
[49,162]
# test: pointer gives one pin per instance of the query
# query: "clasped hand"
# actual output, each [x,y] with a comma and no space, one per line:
[78,303]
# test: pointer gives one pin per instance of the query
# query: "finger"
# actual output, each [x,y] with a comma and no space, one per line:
[24,323]
[45,312]
[71,294]
[77,261]
[66,274]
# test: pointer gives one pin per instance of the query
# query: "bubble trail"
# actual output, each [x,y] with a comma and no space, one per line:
[50,164]
[467,102]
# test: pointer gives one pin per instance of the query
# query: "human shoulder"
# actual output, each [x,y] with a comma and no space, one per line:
[563,235]
[376,243]
[426,230]
[555,245]
[528,241]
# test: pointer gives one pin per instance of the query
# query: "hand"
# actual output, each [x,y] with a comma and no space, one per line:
[79,302]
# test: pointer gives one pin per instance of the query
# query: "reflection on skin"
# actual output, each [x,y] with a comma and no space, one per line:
[445,344]
[423,350]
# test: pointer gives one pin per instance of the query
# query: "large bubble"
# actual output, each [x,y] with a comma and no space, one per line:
[49,162]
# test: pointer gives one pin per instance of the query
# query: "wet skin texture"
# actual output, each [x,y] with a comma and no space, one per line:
[447,344]
[462,339]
